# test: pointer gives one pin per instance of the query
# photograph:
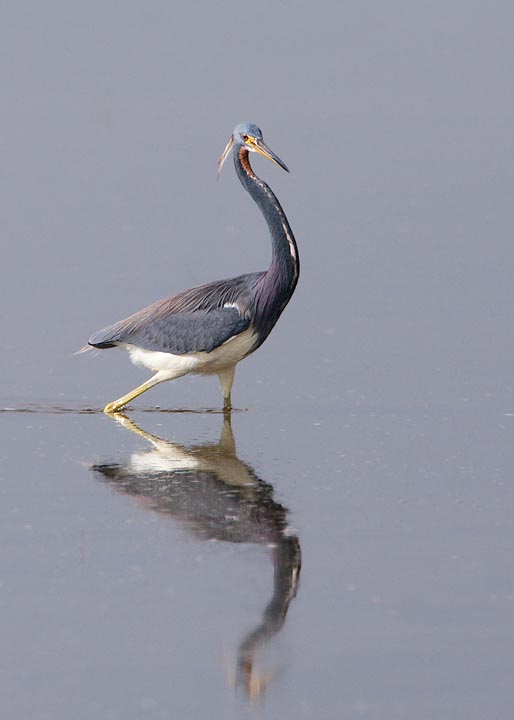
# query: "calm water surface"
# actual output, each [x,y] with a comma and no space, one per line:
[342,547]
[152,569]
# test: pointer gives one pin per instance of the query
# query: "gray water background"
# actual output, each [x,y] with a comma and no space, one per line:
[380,410]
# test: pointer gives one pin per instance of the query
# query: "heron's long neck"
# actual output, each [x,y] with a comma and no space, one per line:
[281,278]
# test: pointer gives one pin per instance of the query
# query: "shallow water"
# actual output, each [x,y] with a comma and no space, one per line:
[341,547]
[152,570]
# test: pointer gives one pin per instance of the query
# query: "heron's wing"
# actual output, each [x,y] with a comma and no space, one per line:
[179,333]
[197,320]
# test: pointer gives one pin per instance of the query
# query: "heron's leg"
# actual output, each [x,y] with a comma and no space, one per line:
[226,377]
[116,405]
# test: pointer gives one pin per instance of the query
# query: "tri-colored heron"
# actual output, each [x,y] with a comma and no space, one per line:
[207,330]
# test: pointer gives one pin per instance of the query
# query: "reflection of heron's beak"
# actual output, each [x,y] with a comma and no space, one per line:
[261,147]
[254,683]
[224,154]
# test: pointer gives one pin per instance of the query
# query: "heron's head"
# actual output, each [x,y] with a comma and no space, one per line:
[248,135]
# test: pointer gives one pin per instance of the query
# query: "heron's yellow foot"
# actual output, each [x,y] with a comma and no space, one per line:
[113,407]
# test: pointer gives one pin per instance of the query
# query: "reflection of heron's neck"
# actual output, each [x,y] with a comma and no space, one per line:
[287,562]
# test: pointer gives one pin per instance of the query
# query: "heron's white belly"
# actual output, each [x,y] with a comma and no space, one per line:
[201,363]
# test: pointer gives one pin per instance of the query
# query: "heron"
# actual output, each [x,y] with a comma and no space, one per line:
[208,329]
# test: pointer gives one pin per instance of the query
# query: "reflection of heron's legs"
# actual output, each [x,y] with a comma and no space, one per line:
[227,443]
[221,455]
[131,425]
[161,445]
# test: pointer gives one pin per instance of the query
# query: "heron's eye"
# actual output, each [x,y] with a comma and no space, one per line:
[244,136]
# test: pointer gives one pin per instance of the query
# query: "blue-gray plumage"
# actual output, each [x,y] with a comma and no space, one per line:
[209,329]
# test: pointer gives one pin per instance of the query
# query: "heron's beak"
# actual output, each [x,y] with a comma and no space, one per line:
[224,155]
[261,147]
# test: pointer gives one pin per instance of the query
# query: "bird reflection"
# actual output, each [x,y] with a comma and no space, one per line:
[217,497]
